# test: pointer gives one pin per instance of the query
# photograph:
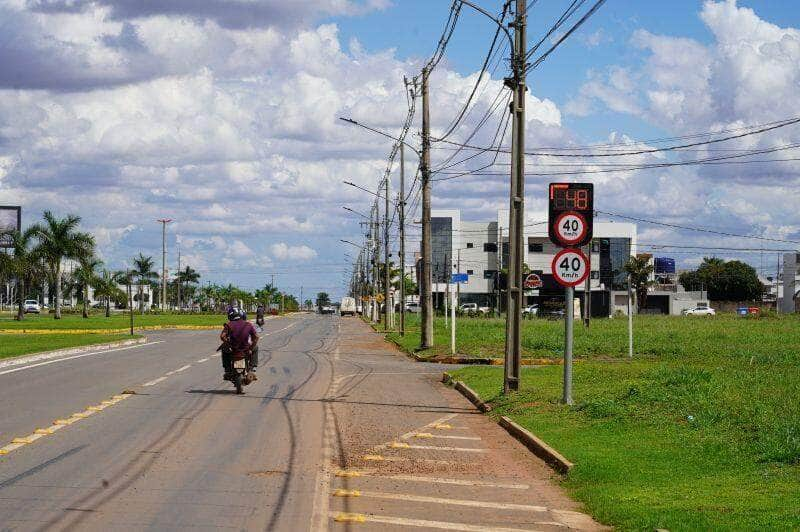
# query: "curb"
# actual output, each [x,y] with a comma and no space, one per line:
[552,457]
[46,355]
[113,331]
[538,447]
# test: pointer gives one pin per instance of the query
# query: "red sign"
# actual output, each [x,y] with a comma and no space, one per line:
[570,267]
[533,282]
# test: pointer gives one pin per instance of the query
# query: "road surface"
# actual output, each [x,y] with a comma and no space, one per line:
[341,432]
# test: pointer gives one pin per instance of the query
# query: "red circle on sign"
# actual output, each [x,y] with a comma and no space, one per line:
[580,274]
[533,281]
[584,228]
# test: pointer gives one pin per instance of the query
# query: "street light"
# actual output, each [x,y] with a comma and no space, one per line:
[364,189]
[355,212]
[351,243]
[379,132]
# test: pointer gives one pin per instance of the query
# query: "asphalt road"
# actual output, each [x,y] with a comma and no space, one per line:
[328,438]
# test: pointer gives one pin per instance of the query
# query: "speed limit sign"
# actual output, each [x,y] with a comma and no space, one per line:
[570,228]
[570,267]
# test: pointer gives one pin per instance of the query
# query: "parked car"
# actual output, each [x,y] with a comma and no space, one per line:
[699,311]
[348,307]
[473,309]
[31,306]
[530,311]
[413,308]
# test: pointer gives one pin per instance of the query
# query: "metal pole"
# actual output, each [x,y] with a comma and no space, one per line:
[587,290]
[426,330]
[516,220]
[453,325]
[163,266]
[402,205]
[386,276]
[569,320]
[177,281]
[130,298]
[446,290]
[630,318]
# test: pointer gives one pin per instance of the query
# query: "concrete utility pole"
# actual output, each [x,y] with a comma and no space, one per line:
[402,216]
[498,267]
[375,254]
[177,281]
[426,331]
[164,222]
[516,219]
[386,275]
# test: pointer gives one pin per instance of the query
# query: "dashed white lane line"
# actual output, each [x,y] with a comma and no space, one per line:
[453,502]
[64,359]
[154,381]
[279,330]
[183,368]
[202,360]
[421,523]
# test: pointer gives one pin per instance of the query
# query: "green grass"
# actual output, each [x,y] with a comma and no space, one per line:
[767,339]
[12,345]
[98,321]
[699,432]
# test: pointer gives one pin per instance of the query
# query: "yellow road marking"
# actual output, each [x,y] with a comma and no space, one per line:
[348,474]
[399,445]
[43,431]
[443,426]
[64,421]
[346,493]
[436,448]
[374,457]
[94,408]
[3,451]
[423,435]
[342,517]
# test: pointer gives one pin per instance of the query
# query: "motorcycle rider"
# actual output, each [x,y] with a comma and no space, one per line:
[238,336]
[260,315]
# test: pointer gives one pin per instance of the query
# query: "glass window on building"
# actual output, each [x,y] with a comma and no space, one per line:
[614,253]
[469,245]
[441,248]
[535,247]
[470,272]
[490,247]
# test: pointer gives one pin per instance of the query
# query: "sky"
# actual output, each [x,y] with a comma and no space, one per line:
[223,115]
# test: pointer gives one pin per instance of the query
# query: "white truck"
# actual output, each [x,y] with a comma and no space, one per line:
[348,307]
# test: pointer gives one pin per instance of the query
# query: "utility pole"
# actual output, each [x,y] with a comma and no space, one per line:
[516,221]
[177,280]
[402,258]
[630,317]
[426,334]
[386,276]
[164,222]
[498,267]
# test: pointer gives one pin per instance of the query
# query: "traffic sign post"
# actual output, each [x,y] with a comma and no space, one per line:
[570,224]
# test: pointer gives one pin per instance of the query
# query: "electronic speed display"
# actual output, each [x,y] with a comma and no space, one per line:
[571,213]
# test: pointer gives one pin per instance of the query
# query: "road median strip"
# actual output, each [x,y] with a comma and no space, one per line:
[536,445]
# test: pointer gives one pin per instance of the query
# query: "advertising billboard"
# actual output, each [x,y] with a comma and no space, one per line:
[10,220]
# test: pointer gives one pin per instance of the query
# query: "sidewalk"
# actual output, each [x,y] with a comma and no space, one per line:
[409,452]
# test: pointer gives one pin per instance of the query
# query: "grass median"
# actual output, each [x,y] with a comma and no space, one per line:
[701,430]
[14,345]
[115,321]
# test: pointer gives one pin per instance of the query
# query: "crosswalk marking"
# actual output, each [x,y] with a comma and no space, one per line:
[424,523]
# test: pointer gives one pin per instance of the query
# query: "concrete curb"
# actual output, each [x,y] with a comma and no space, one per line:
[538,447]
[47,355]
[552,457]
[114,331]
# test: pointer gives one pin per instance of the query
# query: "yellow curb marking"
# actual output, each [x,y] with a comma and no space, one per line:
[399,445]
[374,457]
[423,435]
[443,426]
[346,493]
[58,424]
[348,474]
[350,518]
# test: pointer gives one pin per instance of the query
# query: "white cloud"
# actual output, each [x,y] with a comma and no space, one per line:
[283,251]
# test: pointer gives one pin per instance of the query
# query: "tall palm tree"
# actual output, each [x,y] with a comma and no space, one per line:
[59,240]
[145,275]
[23,264]
[86,275]
[184,278]
[639,269]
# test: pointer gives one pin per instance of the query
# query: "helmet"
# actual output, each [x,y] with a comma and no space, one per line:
[243,314]
[234,314]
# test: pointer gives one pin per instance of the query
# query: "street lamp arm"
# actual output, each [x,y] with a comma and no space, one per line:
[365,190]
[379,132]
[492,18]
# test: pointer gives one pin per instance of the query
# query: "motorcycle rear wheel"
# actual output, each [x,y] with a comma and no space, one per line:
[237,381]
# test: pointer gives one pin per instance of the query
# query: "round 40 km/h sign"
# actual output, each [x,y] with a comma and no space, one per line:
[570,267]
[570,228]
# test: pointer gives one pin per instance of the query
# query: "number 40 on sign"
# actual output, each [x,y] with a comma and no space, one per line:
[570,267]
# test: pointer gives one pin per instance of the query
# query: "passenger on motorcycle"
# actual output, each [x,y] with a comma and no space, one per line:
[238,337]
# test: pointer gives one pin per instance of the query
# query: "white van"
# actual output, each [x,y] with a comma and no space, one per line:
[348,306]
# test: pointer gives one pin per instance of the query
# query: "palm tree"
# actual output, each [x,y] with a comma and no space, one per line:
[184,278]
[59,239]
[23,264]
[639,270]
[106,288]
[86,275]
[145,275]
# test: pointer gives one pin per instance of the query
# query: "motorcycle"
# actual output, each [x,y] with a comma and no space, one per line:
[242,373]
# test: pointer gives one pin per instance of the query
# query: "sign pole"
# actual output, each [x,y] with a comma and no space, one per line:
[453,326]
[569,320]
[630,318]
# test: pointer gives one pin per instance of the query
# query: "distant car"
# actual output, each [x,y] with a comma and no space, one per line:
[556,314]
[413,308]
[530,311]
[699,311]
[327,309]
[31,306]
[473,309]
